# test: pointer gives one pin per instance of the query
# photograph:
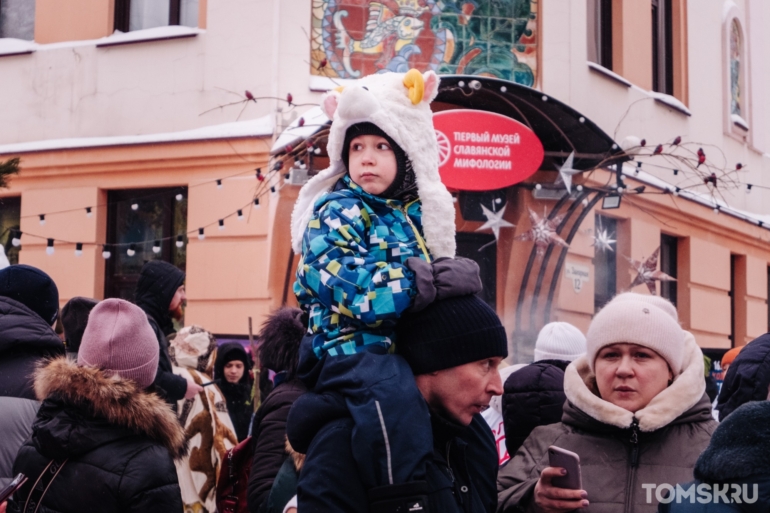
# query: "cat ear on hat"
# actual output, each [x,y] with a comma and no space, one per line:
[330,102]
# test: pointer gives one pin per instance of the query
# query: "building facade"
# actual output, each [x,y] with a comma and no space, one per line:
[130,139]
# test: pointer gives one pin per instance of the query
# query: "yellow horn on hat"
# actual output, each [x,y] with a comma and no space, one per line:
[416,84]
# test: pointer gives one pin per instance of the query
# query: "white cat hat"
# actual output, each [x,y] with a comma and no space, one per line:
[399,104]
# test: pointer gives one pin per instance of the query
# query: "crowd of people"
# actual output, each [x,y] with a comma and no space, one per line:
[387,390]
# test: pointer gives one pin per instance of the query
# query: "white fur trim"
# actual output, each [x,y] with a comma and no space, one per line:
[684,393]
[386,104]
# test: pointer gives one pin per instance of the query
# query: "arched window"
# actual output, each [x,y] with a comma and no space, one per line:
[736,69]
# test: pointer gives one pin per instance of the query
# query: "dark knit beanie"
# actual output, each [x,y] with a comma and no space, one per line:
[449,333]
[74,317]
[33,288]
[403,164]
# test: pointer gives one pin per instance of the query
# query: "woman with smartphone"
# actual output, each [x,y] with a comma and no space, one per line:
[636,414]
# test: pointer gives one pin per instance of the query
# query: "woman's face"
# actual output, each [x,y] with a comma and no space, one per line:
[630,375]
[234,371]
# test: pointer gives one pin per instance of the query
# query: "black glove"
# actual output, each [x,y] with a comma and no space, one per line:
[445,277]
[456,277]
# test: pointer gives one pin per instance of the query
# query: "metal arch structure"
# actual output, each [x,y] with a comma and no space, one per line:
[562,130]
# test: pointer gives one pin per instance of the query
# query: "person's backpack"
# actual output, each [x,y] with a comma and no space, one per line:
[233,484]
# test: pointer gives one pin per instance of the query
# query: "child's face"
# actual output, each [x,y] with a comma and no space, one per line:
[372,163]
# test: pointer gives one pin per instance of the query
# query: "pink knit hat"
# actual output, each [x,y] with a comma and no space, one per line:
[118,339]
[648,321]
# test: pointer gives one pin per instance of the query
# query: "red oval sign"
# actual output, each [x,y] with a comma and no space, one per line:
[484,151]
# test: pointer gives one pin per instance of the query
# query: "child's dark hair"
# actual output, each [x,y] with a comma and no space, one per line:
[279,340]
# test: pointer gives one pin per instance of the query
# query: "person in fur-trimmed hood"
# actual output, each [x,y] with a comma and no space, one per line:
[113,440]
[376,235]
[636,413]
[736,459]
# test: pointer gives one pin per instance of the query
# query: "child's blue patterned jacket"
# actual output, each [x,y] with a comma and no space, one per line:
[352,275]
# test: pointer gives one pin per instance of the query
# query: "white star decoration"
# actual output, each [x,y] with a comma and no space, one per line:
[495,221]
[543,232]
[603,240]
[566,171]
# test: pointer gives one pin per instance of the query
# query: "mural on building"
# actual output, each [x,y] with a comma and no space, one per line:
[735,68]
[496,38]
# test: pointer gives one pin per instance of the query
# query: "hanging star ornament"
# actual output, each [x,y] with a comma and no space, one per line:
[566,172]
[543,232]
[495,221]
[647,272]
[602,239]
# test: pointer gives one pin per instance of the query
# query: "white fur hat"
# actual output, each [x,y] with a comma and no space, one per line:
[560,341]
[399,104]
[649,321]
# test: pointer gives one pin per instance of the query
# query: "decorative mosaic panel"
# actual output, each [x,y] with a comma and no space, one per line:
[736,50]
[354,38]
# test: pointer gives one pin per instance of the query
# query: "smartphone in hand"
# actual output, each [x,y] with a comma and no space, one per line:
[17,482]
[562,458]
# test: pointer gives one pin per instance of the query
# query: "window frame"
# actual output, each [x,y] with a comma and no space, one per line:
[602,36]
[662,47]
[736,128]
[123,14]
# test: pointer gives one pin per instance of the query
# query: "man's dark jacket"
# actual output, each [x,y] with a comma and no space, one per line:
[461,476]
[25,341]
[158,282]
[748,377]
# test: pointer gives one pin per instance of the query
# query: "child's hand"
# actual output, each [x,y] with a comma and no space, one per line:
[456,277]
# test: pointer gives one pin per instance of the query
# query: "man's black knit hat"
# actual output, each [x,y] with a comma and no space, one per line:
[449,333]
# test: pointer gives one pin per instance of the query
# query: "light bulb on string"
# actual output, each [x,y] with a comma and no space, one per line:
[676,191]
[240,215]
[179,196]
[256,202]
[219,184]
[221,224]
[272,189]
[259,174]
[42,219]
[317,151]
[156,247]
[79,249]
[49,249]
[16,238]
[131,251]
[106,252]
[134,206]
[579,188]
[201,234]
[748,188]
[89,212]
[180,241]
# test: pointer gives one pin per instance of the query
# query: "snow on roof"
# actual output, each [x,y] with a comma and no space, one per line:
[314,120]
[259,127]
[630,170]
[11,46]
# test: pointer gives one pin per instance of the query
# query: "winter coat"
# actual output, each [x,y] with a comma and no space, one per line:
[619,450]
[269,433]
[736,457]
[532,396]
[285,483]
[352,276]
[158,282]
[460,476]
[238,395]
[118,441]
[748,377]
[25,340]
